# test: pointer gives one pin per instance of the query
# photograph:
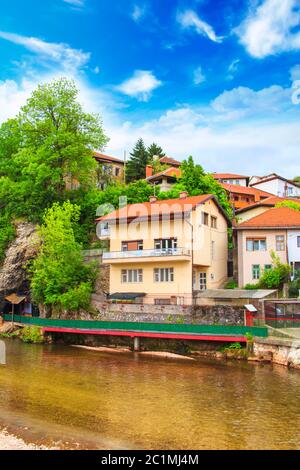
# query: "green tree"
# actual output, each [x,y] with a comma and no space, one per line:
[60,279]
[155,150]
[46,147]
[136,165]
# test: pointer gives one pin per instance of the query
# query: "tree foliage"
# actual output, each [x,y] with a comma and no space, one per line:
[195,181]
[290,204]
[59,276]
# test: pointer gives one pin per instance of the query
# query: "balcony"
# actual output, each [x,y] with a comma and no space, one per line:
[174,254]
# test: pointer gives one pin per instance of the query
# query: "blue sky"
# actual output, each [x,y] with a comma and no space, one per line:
[213,78]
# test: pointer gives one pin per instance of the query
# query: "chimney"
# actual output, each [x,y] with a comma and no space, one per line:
[149,171]
[183,195]
[152,199]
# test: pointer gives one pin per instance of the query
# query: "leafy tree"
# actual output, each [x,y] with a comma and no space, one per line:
[275,277]
[60,279]
[195,181]
[136,166]
[48,145]
[294,288]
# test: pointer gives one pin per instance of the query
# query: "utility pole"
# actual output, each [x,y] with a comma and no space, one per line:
[125,161]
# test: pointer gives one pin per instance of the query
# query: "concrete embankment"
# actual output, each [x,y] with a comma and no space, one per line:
[283,351]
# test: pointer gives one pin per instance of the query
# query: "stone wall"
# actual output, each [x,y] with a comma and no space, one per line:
[201,315]
[281,351]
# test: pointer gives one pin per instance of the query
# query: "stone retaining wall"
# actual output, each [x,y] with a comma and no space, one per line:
[281,351]
[202,315]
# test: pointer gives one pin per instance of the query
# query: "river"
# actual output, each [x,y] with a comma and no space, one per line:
[65,397]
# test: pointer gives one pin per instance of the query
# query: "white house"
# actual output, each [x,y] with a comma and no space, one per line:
[277,185]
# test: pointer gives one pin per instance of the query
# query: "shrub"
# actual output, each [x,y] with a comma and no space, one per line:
[31,334]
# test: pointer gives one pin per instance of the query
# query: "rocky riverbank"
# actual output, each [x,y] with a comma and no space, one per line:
[9,442]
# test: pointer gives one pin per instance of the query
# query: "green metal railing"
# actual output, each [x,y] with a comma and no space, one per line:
[139,326]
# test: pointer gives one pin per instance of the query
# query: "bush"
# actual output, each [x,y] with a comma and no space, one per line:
[275,277]
[31,334]
[231,285]
[251,286]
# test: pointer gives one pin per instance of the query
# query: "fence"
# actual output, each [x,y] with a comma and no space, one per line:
[167,328]
[282,313]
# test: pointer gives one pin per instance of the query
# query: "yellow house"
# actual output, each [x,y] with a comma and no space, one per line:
[163,252]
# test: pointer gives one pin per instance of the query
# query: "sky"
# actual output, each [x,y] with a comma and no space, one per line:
[215,79]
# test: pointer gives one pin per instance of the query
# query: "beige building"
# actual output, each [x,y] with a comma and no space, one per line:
[275,230]
[163,252]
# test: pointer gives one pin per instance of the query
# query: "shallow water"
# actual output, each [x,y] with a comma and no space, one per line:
[86,399]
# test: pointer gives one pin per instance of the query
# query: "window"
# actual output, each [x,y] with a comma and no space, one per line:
[165,244]
[117,171]
[254,244]
[202,281]
[280,245]
[213,222]
[205,218]
[298,242]
[131,275]
[255,271]
[134,245]
[267,267]
[163,274]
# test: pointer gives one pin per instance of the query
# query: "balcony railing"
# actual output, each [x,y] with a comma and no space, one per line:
[147,253]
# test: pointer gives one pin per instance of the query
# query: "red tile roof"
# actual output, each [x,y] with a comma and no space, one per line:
[169,161]
[269,202]
[237,189]
[168,172]
[228,176]
[164,207]
[278,217]
[101,157]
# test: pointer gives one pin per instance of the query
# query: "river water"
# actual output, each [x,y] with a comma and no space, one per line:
[73,398]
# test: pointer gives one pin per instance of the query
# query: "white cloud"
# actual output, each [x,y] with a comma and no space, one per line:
[198,76]
[138,12]
[232,69]
[242,130]
[75,3]
[57,53]
[190,20]
[140,85]
[269,28]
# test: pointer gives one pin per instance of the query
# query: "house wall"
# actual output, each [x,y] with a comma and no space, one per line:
[278,187]
[293,249]
[248,258]
[238,181]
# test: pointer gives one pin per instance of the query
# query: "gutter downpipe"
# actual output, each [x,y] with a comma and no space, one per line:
[192,247]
